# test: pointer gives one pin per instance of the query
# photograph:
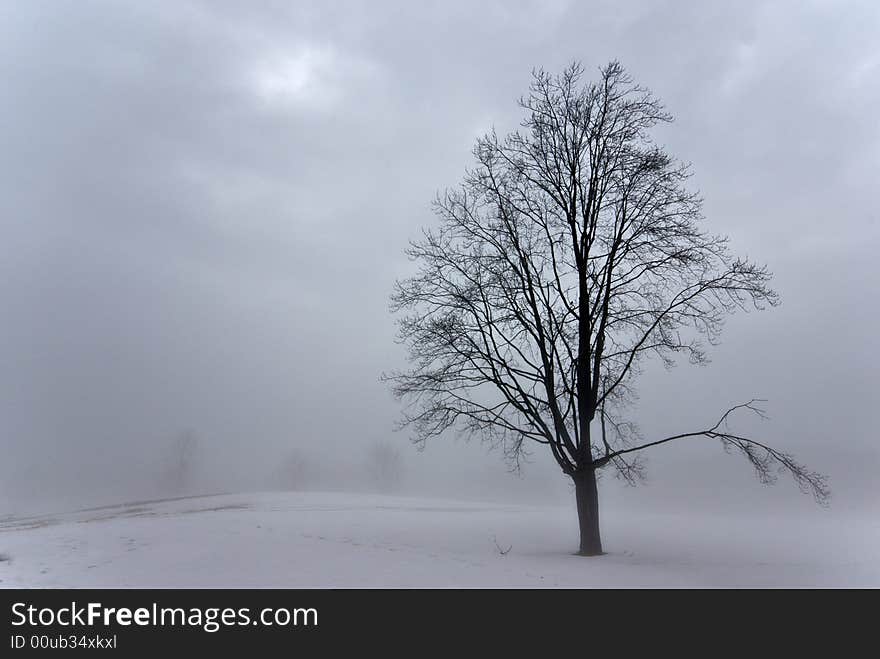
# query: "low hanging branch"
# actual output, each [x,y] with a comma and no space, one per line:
[767,461]
[570,253]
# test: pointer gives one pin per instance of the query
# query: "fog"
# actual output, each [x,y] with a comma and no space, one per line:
[204,206]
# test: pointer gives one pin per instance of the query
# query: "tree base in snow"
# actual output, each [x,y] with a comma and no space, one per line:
[590,553]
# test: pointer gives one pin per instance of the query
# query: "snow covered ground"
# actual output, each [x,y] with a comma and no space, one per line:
[310,539]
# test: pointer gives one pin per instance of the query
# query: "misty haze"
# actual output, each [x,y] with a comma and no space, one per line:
[508,294]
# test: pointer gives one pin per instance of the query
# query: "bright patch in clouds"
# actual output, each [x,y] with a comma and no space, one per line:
[311,76]
[296,78]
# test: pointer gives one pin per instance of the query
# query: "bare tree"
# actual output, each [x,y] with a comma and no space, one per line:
[385,466]
[571,252]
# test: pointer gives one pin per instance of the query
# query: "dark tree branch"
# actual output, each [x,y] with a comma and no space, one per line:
[767,462]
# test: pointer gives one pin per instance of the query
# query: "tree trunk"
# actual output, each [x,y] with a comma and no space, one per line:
[587,496]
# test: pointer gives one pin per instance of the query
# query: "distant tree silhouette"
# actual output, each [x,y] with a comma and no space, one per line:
[182,461]
[292,472]
[571,252]
[385,466]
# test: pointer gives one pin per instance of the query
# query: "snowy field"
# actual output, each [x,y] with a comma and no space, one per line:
[325,540]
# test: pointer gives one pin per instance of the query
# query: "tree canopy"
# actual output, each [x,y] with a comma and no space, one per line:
[571,252]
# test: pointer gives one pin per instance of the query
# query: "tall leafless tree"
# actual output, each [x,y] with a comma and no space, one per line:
[571,252]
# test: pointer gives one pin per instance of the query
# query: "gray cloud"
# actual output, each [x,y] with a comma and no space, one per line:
[204,205]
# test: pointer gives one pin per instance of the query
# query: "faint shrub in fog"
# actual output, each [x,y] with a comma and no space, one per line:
[384,466]
[501,550]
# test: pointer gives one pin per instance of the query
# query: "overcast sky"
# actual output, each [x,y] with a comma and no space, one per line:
[205,204]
